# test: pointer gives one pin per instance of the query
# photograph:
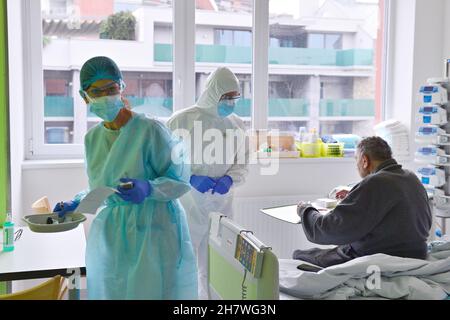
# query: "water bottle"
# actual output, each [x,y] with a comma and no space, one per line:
[314,137]
[8,235]
[302,134]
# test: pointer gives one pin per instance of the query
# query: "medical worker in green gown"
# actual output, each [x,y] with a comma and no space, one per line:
[139,245]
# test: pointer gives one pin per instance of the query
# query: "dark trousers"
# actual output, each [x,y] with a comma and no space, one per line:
[326,257]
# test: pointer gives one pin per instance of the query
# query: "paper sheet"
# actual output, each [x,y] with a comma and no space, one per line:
[289,213]
[94,200]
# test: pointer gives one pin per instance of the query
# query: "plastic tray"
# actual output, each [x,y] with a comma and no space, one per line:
[38,222]
[332,150]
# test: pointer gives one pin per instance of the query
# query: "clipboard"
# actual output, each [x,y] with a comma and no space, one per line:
[289,214]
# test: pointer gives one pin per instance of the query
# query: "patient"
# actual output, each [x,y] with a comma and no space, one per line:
[387,212]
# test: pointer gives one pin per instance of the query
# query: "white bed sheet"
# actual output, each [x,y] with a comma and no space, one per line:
[400,278]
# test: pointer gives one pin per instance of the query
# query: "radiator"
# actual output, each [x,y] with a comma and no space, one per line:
[281,236]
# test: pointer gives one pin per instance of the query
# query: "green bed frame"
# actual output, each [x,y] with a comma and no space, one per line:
[226,273]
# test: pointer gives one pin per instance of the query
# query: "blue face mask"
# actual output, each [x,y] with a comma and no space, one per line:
[226,107]
[107,108]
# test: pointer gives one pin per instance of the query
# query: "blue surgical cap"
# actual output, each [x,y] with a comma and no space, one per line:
[99,68]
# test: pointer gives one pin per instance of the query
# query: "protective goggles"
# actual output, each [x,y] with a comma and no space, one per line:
[230,100]
[110,89]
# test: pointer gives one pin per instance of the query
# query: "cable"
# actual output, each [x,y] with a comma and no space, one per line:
[18,234]
[244,287]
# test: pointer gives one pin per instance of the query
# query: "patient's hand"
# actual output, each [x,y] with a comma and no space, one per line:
[342,194]
[301,206]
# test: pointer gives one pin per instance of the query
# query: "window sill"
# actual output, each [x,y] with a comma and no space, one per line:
[79,163]
[263,161]
[53,164]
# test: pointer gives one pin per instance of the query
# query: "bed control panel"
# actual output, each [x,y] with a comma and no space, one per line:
[249,255]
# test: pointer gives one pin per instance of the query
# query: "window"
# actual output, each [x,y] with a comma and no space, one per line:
[56,7]
[58,104]
[66,48]
[323,71]
[287,36]
[240,38]
[324,41]
[331,77]
[333,41]
[231,46]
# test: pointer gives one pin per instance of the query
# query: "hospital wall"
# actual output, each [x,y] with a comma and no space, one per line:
[294,177]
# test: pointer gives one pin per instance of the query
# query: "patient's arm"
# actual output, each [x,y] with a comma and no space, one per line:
[352,219]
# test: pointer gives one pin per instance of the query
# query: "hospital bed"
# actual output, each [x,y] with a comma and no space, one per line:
[240,266]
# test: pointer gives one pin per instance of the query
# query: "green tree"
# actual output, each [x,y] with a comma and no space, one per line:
[119,26]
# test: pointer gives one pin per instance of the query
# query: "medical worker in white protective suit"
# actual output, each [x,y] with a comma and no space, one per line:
[219,159]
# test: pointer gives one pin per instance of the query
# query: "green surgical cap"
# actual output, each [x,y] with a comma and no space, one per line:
[99,68]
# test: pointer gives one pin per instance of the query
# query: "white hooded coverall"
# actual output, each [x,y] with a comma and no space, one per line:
[209,161]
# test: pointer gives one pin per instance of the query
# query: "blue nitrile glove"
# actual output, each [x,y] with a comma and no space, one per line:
[140,190]
[202,183]
[62,208]
[223,185]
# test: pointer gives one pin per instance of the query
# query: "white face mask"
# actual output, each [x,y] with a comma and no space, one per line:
[107,108]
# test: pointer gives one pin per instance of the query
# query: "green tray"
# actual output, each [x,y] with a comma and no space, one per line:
[38,222]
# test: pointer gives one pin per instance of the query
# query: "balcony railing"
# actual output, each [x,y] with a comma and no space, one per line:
[277,56]
[58,106]
[157,107]
[288,108]
[277,108]
[347,108]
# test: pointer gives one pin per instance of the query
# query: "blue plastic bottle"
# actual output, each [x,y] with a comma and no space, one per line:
[8,235]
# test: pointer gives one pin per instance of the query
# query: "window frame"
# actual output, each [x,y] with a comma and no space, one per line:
[384,62]
[325,36]
[34,88]
[184,72]
[386,59]
[234,35]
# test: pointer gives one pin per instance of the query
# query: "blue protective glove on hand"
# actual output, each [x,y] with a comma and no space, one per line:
[202,183]
[140,190]
[62,208]
[223,185]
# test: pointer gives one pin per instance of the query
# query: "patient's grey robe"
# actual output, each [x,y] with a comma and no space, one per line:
[387,212]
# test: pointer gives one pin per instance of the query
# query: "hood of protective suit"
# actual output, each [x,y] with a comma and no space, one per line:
[220,82]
